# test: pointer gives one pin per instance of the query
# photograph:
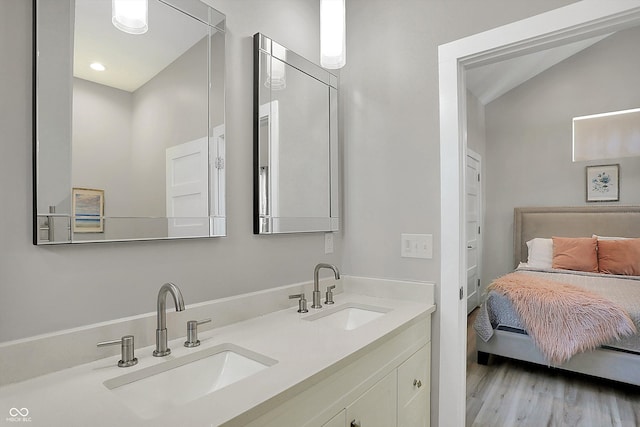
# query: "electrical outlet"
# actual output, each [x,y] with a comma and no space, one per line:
[328,243]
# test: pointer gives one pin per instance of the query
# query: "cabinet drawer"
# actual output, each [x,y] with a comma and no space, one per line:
[413,375]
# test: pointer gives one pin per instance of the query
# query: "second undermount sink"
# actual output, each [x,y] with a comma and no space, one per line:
[348,316]
[151,391]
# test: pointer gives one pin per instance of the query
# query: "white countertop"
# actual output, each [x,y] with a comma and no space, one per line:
[306,352]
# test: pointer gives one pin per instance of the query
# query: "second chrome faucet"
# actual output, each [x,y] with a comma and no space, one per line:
[316,283]
[162,348]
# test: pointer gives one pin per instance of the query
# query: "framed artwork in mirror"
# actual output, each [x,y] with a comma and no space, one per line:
[603,183]
[88,210]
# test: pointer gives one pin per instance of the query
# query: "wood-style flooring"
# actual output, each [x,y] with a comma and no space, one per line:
[513,393]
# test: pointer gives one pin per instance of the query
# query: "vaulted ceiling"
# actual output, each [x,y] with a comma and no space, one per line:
[489,82]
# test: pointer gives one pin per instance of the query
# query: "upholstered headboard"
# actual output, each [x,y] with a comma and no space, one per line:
[621,221]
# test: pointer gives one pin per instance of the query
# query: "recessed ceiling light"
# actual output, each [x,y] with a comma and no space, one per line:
[97,66]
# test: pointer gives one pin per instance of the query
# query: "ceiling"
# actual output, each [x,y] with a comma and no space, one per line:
[130,60]
[490,82]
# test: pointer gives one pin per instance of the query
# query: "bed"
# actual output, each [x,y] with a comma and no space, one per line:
[618,359]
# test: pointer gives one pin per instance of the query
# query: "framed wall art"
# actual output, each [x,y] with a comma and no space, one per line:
[603,183]
[88,210]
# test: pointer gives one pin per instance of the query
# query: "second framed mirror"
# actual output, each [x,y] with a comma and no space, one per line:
[295,142]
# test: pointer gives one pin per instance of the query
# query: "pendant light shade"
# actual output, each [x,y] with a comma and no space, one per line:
[276,71]
[130,16]
[333,52]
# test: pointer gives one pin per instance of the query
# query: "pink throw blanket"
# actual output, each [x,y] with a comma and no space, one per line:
[563,319]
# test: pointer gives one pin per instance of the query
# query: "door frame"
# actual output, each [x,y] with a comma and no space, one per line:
[584,19]
[478,158]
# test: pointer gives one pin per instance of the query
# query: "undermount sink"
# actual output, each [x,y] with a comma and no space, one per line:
[151,391]
[348,316]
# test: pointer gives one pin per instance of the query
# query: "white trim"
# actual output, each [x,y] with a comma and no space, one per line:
[479,240]
[611,113]
[587,18]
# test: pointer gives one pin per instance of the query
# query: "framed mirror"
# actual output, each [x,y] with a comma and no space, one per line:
[129,121]
[295,142]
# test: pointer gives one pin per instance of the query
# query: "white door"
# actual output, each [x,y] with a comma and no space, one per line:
[473,221]
[187,189]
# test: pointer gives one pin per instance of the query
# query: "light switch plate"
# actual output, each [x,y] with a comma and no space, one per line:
[416,246]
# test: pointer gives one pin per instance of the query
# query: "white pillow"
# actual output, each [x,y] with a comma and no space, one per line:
[609,238]
[540,253]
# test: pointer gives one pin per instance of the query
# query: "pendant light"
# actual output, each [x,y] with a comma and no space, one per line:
[130,16]
[333,53]
[276,71]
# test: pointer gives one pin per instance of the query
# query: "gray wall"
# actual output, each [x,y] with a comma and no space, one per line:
[476,132]
[169,110]
[304,143]
[528,161]
[101,155]
[55,107]
[46,289]
[390,128]
[390,122]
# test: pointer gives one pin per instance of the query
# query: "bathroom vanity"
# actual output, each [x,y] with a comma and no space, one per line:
[363,361]
[387,384]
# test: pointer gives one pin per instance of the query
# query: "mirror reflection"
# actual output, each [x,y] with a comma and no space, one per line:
[130,137]
[296,160]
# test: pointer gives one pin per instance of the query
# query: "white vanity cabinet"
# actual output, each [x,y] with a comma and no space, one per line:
[408,386]
[384,385]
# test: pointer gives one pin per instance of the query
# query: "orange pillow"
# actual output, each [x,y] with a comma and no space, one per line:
[575,253]
[619,256]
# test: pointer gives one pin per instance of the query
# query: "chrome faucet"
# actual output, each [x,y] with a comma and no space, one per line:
[161,333]
[316,284]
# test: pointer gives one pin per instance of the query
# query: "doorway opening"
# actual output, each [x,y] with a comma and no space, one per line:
[578,21]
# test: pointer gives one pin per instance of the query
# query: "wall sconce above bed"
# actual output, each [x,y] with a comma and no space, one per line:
[606,136]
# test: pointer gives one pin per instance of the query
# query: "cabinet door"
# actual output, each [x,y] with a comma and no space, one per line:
[339,420]
[377,407]
[414,383]
[416,412]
